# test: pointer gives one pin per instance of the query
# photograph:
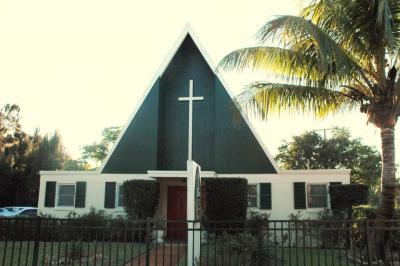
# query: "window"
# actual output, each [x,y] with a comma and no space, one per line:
[120,199]
[252,196]
[317,196]
[66,195]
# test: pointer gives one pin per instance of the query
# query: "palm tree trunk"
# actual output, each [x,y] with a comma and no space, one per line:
[388,178]
[388,188]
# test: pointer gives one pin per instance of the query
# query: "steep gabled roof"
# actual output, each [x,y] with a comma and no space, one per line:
[150,139]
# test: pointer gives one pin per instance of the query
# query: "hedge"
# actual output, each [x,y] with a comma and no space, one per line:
[226,199]
[141,198]
[344,197]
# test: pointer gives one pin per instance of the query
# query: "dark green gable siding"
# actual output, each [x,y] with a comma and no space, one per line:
[137,150]
[188,63]
[236,148]
[157,137]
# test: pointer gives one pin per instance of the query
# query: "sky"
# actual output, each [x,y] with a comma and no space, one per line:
[78,66]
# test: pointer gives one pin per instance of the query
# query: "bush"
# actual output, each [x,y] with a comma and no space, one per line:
[242,249]
[226,199]
[141,198]
[344,197]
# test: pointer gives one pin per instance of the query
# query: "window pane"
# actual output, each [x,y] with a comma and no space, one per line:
[252,190]
[318,189]
[252,202]
[252,195]
[317,197]
[121,196]
[318,202]
[67,189]
[66,195]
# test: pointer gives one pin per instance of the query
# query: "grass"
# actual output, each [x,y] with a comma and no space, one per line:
[280,257]
[307,257]
[68,253]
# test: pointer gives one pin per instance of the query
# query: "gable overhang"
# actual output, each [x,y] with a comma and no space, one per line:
[188,31]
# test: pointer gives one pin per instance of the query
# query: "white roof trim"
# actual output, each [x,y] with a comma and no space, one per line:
[180,174]
[187,30]
[315,171]
[66,172]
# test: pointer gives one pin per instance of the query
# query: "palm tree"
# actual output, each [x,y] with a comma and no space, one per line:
[337,55]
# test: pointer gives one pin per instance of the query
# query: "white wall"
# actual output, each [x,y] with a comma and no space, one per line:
[95,189]
[281,189]
[282,197]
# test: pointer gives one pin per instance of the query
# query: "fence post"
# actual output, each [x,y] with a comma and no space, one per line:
[37,242]
[367,240]
[148,241]
[260,242]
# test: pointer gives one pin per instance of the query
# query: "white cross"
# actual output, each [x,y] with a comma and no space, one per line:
[190,99]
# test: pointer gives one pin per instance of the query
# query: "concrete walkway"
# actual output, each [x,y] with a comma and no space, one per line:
[162,255]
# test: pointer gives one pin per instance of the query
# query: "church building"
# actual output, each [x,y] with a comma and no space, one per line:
[188,100]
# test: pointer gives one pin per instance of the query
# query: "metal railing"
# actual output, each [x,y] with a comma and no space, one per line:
[43,241]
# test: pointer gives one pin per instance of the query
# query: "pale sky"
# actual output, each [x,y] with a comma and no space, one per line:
[79,66]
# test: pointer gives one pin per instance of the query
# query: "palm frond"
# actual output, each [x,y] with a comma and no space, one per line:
[290,65]
[384,21]
[331,17]
[299,34]
[263,98]
[395,16]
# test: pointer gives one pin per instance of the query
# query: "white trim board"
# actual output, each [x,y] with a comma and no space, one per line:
[188,31]
[179,174]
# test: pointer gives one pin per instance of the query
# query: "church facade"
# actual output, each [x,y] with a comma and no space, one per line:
[154,145]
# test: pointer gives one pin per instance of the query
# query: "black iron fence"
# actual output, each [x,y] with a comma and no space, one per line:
[42,241]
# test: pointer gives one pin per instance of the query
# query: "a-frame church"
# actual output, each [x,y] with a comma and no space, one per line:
[188,101]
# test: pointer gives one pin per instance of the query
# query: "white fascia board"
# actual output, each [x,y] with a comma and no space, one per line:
[187,30]
[180,174]
[294,173]
[69,172]
[92,174]
[316,171]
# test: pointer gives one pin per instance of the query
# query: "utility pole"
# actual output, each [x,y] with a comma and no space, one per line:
[323,129]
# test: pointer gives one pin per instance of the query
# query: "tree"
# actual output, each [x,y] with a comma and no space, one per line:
[76,165]
[311,151]
[336,56]
[22,156]
[98,151]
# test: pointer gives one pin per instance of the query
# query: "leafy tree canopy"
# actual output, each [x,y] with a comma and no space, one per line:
[22,156]
[97,151]
[312,151]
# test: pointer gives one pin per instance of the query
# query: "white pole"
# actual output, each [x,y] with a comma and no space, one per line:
[190,119]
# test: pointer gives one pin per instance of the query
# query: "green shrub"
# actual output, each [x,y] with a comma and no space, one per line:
[140,198]
[344,197]
[242,249]
[226,199]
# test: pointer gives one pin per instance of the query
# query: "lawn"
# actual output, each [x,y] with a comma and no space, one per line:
[279,257]
[69,253]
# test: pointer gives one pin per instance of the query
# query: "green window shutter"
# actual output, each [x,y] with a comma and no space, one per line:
[50,195]
[265,196]
[80,196]
[299,189]
[109,196]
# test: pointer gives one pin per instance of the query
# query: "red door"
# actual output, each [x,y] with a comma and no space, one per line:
[176,212]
